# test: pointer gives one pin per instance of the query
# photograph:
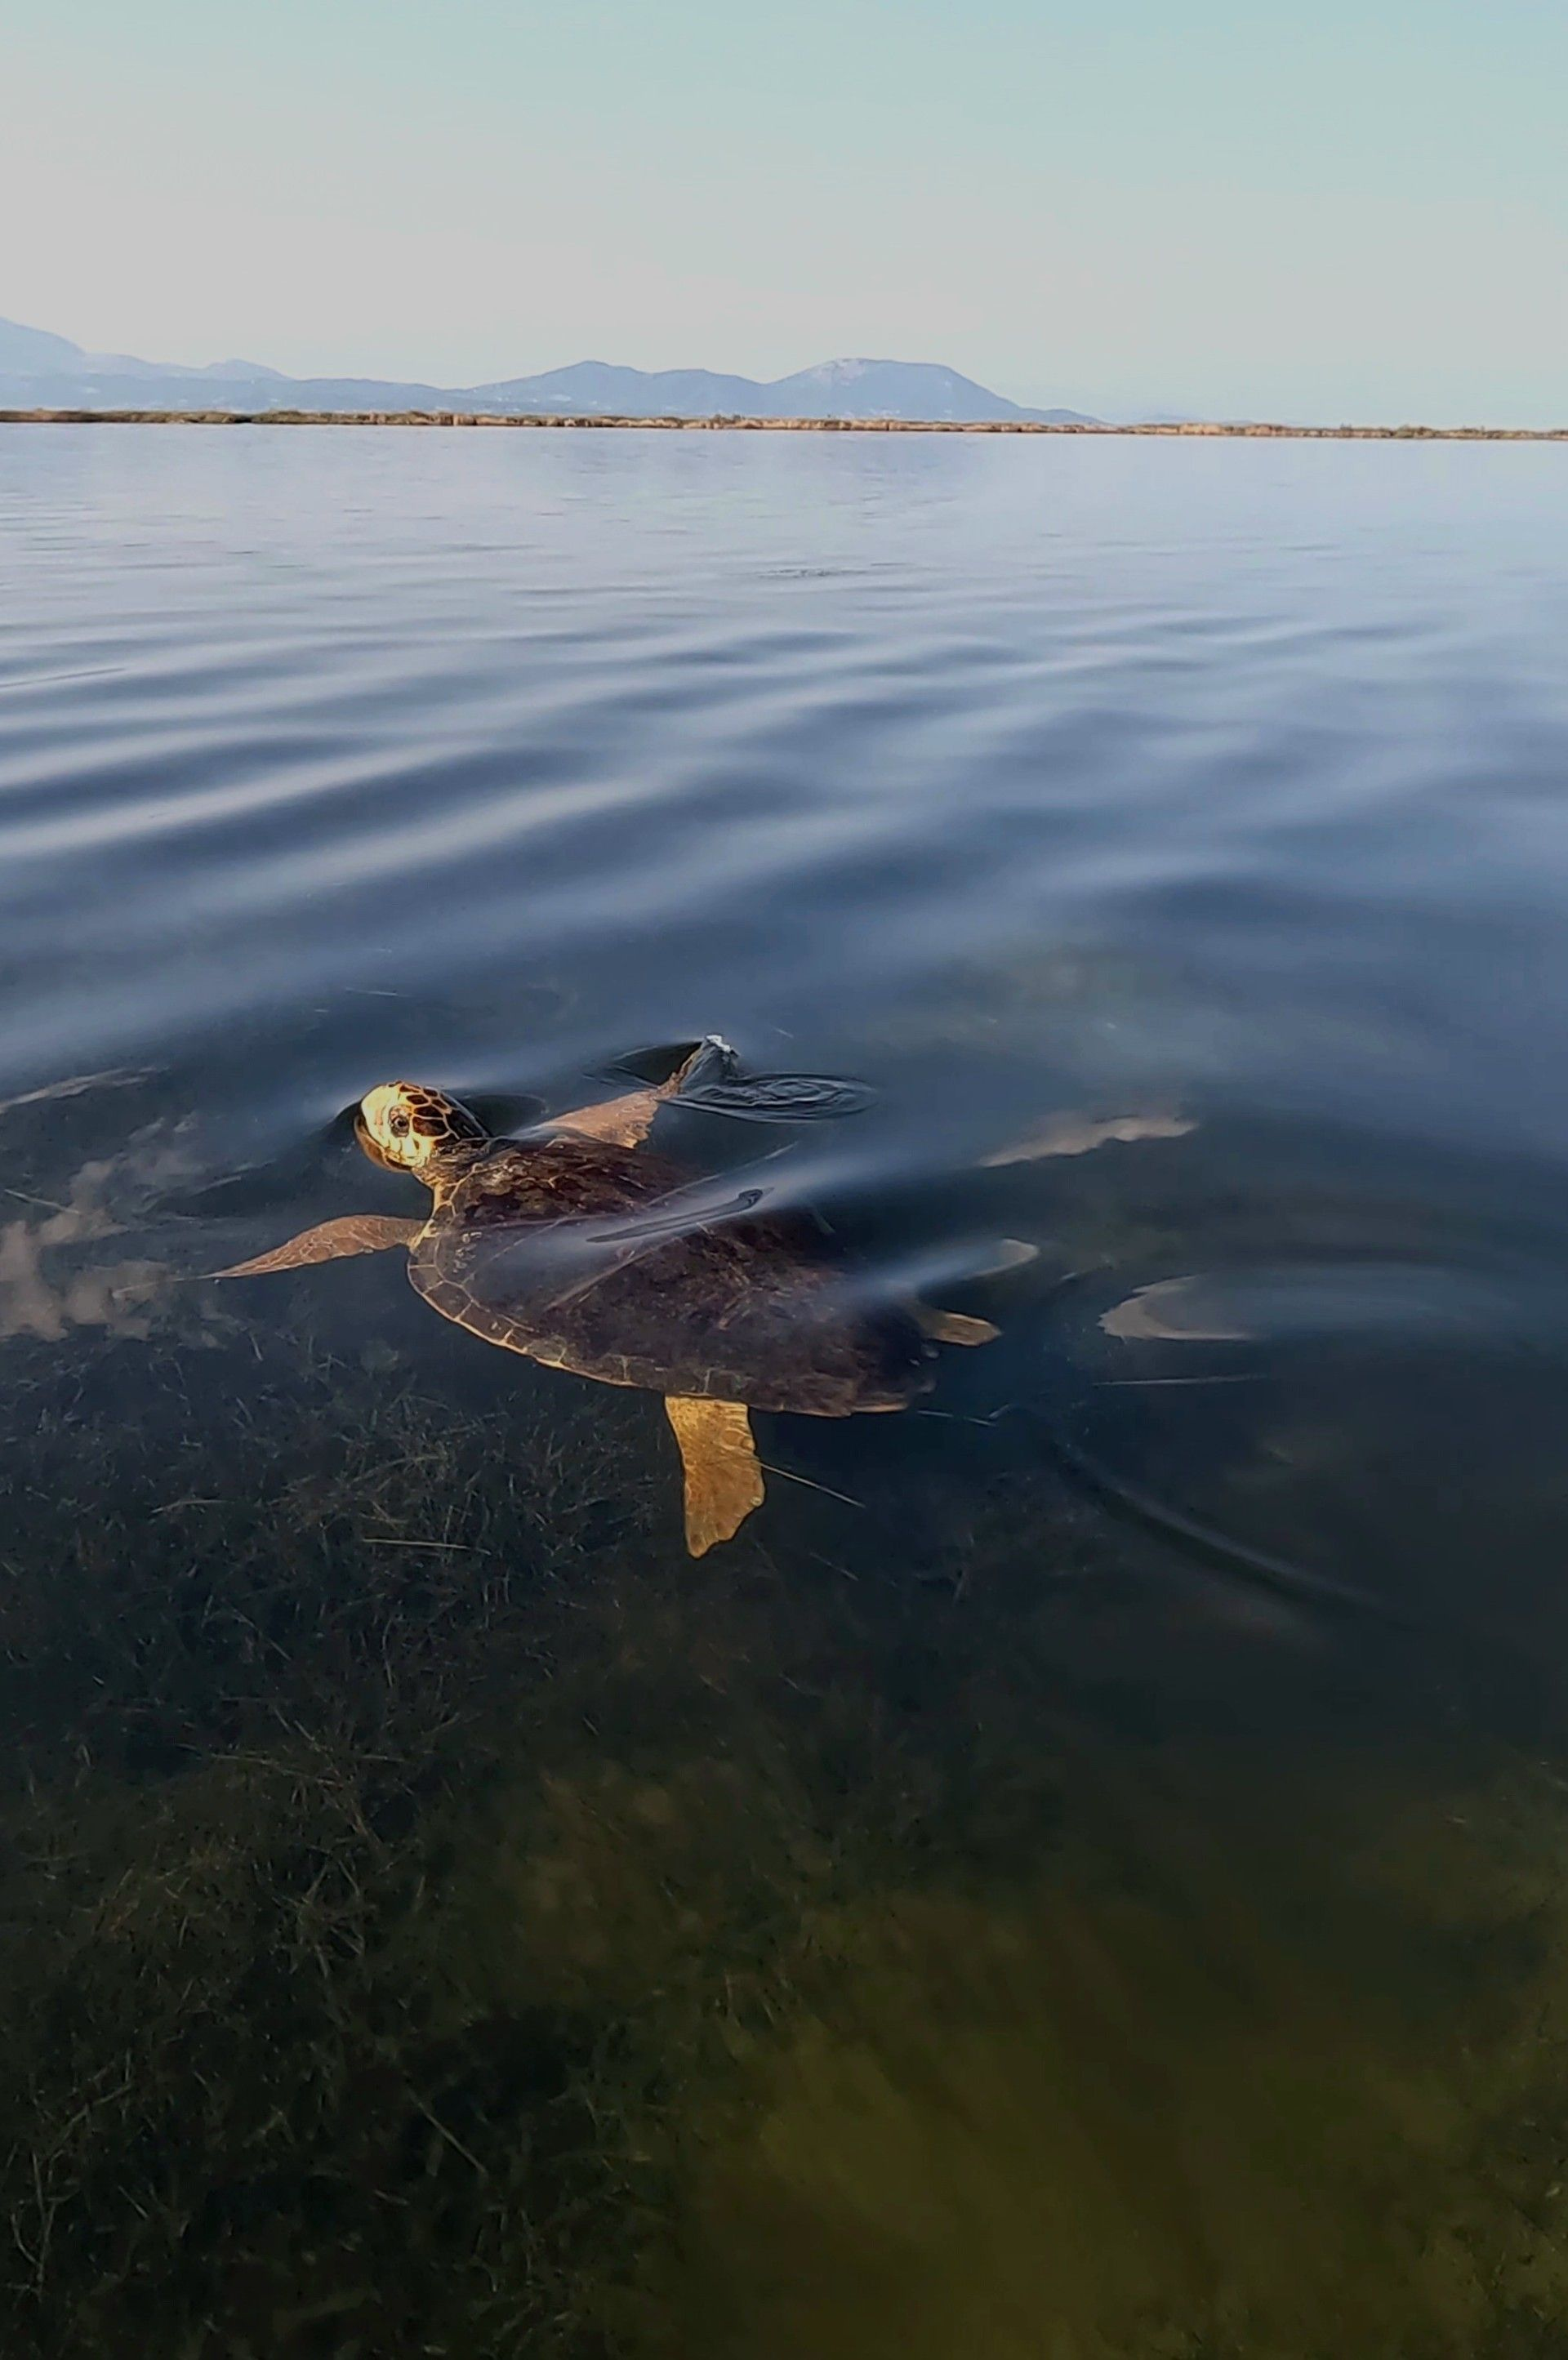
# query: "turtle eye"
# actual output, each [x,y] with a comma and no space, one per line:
[398,1124]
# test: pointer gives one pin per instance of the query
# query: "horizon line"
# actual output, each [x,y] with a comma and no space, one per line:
[1241,429]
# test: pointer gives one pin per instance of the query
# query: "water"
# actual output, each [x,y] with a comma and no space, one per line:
[1079,1874]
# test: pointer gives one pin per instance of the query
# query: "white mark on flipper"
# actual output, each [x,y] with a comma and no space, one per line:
[1077,1134]
[1153,1315]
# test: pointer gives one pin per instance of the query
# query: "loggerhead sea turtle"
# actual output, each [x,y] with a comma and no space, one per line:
[578,1246]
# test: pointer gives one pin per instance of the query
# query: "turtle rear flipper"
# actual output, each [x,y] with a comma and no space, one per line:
[953,1327]
[626,1121]
[356,1233]
[723,1477]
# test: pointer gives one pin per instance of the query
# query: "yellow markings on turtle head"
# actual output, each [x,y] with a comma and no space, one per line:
[413,1129]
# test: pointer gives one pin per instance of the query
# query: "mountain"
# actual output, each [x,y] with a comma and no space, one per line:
[888,389]
[122,364]
[35,353]
[610,392]
[41,371]
[848,389]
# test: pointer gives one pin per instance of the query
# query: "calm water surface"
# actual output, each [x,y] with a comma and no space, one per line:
[1082,1874]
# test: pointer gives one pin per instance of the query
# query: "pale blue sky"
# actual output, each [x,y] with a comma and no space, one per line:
[1359,209]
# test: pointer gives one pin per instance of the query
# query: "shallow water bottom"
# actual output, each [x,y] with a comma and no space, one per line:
[442,1919]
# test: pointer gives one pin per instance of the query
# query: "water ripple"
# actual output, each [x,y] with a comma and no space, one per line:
[1035,782]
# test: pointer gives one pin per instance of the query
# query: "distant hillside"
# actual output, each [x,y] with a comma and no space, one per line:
[41,371]
[600,386]
[847,389]
[892,390]
[35,353]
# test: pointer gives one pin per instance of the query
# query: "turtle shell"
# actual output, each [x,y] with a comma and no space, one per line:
[610,1263]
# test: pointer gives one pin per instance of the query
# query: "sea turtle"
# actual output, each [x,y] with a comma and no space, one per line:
[574,1245]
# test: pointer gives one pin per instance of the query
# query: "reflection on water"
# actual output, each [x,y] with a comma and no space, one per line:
[983,1910]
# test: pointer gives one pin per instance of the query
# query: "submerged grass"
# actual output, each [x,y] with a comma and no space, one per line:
[440,1919]
[400,1844]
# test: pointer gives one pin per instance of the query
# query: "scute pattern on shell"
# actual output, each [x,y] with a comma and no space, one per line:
[524,1252]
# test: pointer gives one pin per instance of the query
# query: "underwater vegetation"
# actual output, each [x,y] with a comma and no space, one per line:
[440,1918]
[395,1845]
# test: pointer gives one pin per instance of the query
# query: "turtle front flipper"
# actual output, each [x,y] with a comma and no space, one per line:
[356,1233]
[723,1477]
[626,1123]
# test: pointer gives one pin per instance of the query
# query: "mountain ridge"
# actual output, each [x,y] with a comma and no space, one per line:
[42,370]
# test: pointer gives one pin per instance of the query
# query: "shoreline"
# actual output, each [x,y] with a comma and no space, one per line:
[1257,431]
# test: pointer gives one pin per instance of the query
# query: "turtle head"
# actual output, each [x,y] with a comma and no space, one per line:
[411,1129]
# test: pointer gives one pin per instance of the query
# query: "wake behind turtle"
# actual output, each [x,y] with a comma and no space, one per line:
[581,1248]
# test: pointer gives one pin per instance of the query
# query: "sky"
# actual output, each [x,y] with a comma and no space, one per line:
[1353,211]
